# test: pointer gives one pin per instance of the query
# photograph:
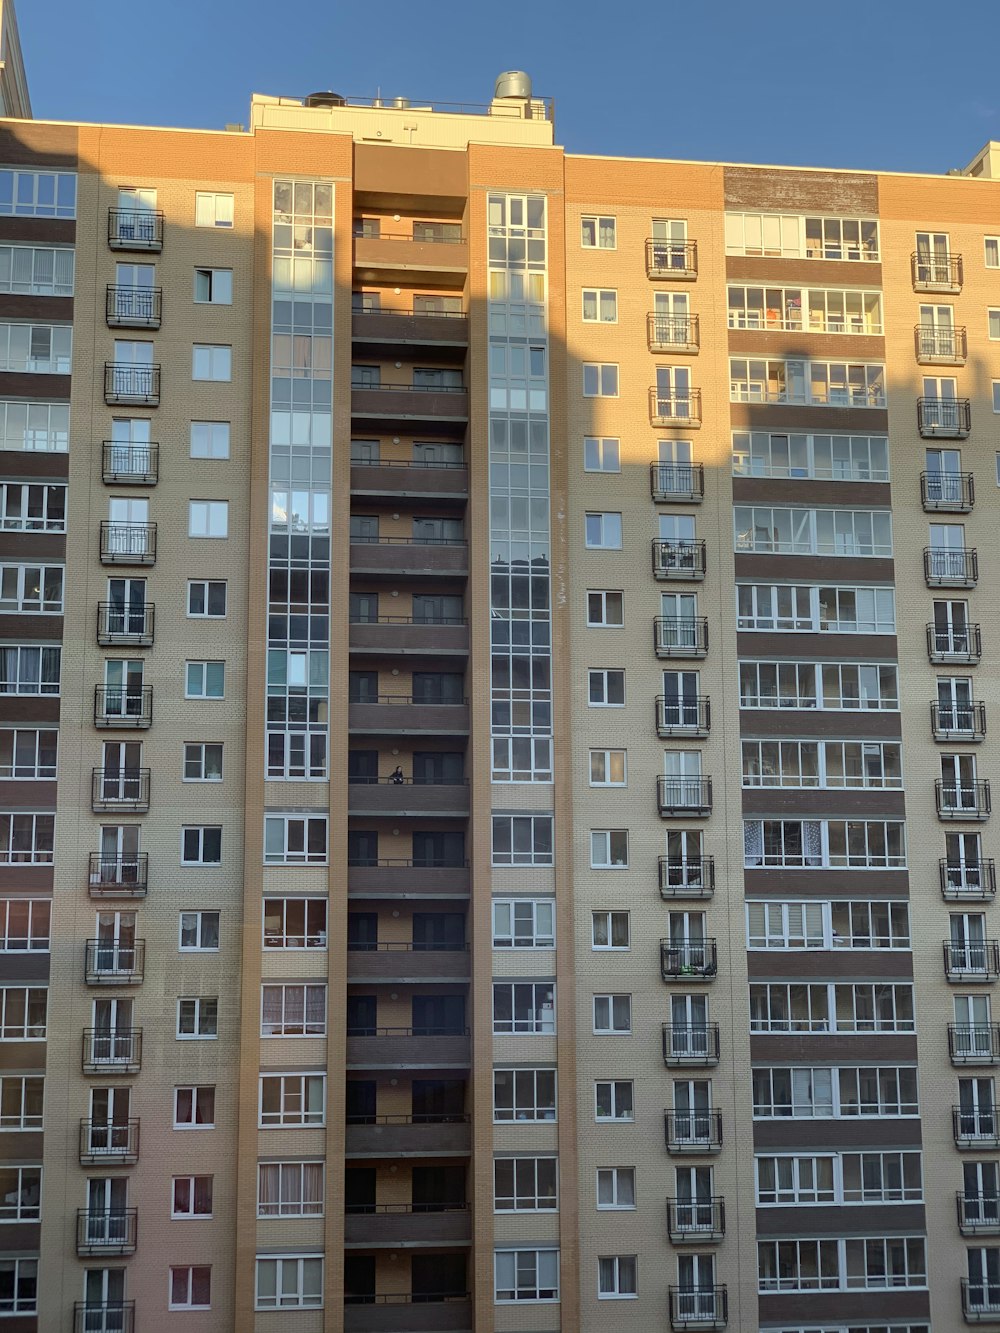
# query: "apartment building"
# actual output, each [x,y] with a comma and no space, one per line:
[495,822]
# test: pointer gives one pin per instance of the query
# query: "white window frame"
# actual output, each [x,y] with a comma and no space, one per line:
[835,1099]
[606,860]
[600,379]
[200,916]
[608,918]
[605,673]
[210,439]
[815,849]
[299,1299]
[196,673]
[617,1097]
[797,454]
[612,1015]
[520,1077]
[36,925]
[206,584]
[601,607]
[613,1175]
[294,835]
[197,1018]
[813,683]
[602,530]
[285,1027]
[291,1202]
[991,251]
[624,1274]
[195,1089]
[540,852]
[604,451]
[191,1212]
[21,1121]
[16,503]
[213,208]
[34,427]
[208,519]
[14,1029]
[40,263]
[521,1261]
[194,754]
[601,228]
[219,285]
[609,761]
[22,1178]
[22,199]
[320,936]
[541,1011]
[212,363]
[291,1119]
[795,608]
[199,830]
[599,299]
[22,1305]
[525,1178]
[530,923]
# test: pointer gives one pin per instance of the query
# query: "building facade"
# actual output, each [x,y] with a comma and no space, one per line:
[564,580]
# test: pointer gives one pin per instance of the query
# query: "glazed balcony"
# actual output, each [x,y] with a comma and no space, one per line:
[128,543]
[106,1317]
[407,328]
[399,877]
[130,464]
[419,557]
[389,796]
[408,1225]
[404,1048]
[675,407]
[409,1136]
[977,1129]
[696,1221]
[402,715]
[675,260]
[118,876]
[980,1301]
[947,492]
[958,721]
[683,716]
[971,961]
[405,963]
[936,273]
[684,1044]
[401,479]
[689,1132]
[406,1312]
[443,406]
[937,346]
[683,796]
[689,960]
[698,1308]
[944,418]
[954,644]
[963,800]
[978,1214]
[680,636]
[964,881]
[394,636]
[131,384]
[133,307]
[672,333]
[135,229]
[103,1144]
[951,567]
[974,1045]
[112,963]
[112,1051]
[680,482]
[681,560]
[124,789]
[112,1232]
[121,706]
[686,877]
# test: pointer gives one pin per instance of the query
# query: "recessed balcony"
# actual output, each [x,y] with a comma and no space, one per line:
[975,1129]
[439,405]
[969,961]
[686,876]
[682,483]
[390,796]
[408,479]
[119,789]
[958,644]
[684,1044]
[963,881]
[408,1048]
[104,1317]
[409,1312]
[408,1225]
[683,795]
[403,963]
[683,716]
[675,407]
[674,260]
[672,333]
[936,273]
[109,1144]
[963,800]
[133,307]
[951,567]
[980,1301]
[690,1132]
[135,229]
[688,960]
[977,1044]
[123,706]
[419,557]
[399,877]
[680,636]
[394,636]
[958,721]
[441,249]
[114,963]
[402,715]
[679,560]
[112,1232]
[947,492]
[118,876]
[127,464]
[936,346]
[696,1221]
[698,1308]
[112,1050]
[404,328]
[409,1136]
[131,384]
[128,543]
[944,418]
[978,1214]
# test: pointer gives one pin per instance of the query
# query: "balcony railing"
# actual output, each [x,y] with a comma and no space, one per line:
[104,1317]
[951,567]
[123,706]
[135,229]
[127,464]
[672,333]
[129,383]
[128,543]
[687,876]
[119,789]
[944,418]
[974,1044]
[680,636]
[940,346]
[683,796]
[954,643]
[683,482]
[967,879]
[698,1307]
[963,800]
[689,960]
[133,307]
[677,260]
[958,721]
[947,492]
[112,1050]
[971,961]
[112,963]
[674,407]
[696,1220]
[118,876]
[975,1127]
[680,559]
[686,1044]
[936,273]
[978,1214]
[678,716]
[120,624]
[693,1131]
[104,1144]
[111,1232]
[980,1301]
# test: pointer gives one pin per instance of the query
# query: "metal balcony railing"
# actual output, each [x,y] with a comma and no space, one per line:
[958,721]
[975,1127]
[936,273]
[104,1144]
[672,333]
[978,1214]
[133,307]
[684,482]
[974,1044]
[963,800]
[698,1307]
[967,879]
[954,643]
[935,344]
[683,796]
[111,1232]
[689,960]
[128,543]
[951,567]
[680,559]
[679,716]
[680,636]
[980,1301]
[135,229]
[674,407]
[944,418]
[115,1050]
[687,876]
[119,789]
[971,961]
[125,382]
[114,963]
[693,1131]
[671,259]
[104,1317]
[118,876]
[127,464]
[696,1220]
[691,1044]
[947,492]
[123,706]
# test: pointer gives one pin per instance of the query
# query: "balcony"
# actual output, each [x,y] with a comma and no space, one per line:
[408,1048]
[958,721]
[394,636]
[975,1129]
[936,273]
[133,307]
[680,560]
[398,877]
[675,407]
[402,715]
[95,1317]
[687,1045]
[974,1045]
[112,963]
[388,796]
[683,796]
[676,716]
[681,482]
[112,1232]
[112,1050]
[118,876]
[963,800]
[127,464]
[980,1301]
[397,557]
[686,877]
[951,567]
[688,960]
[978,1214]
[958,644]
[402,328]
[696,1221]
[405,963]
[409,479]
[121,706]
[698,1308]
[947,492]
[131,384]
[119,789]
[964,881]
[969,962]
[406,1312]
[443,252]
[675,260]
[680,636]
[135,229]
[944,418]
[103,1144]
[672,333]
[939,346]
[128,543]
[408,1225]
[687,1132]
[441,405]
[409,1136]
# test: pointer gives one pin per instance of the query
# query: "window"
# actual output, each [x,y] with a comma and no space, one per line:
[786,235]
[191,1288]
[18,1277]
[194,1107]
[600,306]
[213,210]
[26,839]
[208,518]
[293,1010]
[607,768]
[212,361]
[603,531]
[522,840]
[832,1265]
[825,457]
[822,764]
[24,925]
[524,1095]
[207,598]
[600,380]
[294,923]
[289,1283]
[525,1185]
[210,439]
[35,270]
[826,685]
[292,1100]
[992,246]
[290,1189]
[598,233]
[20,1193]
[610,930]
[203,762]
[213,286]
[526,1275]
[197,1016]
[31,589]
[764,529]
[36,349]
[612,1015]
[295,839]
[824,843]
[21,1099]
[609,849]
[32,507]
[825,1007]
[191,1196]
[601,454]
[605,687]
[825,925]
[617,1277]
[205,680]
[201,845]
[34,427]
[614,1101]
[605,609]
[615,1188]
[199,932]
[37,194]
[806,609]
[996,395]
[816,383]
[524,1007]
[524,923]
[821,1093]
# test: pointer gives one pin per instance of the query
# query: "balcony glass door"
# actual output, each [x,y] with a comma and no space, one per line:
[438,930]
[689,1024]
[947,550]
[115,942]
[692,1109]
[941,402]
[671,318]
[121,779]
[954,703]
[693,1198]
[951,627]
[438,1015]
[120,853]
[680,698]
[113,1031]
[980,1203]
[944,475]
[679,611]
[696,1283]
[932,256]
[109,1116]
[123,688]
[134,291]
[104,1300]
[958,781]
[126,606]
[107,1200]
[972,1021]
[684,858]
[129,530]
[976,1108]
[673,392]
[682,785]
[937,330]
[130,441]
[669,243]
[438,1100]
[984,1278]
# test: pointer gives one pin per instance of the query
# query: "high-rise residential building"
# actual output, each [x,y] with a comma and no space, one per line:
[495,664]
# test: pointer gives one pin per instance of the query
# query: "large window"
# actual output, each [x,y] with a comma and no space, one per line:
[294,923]
[18,1283]
[20,1193]
[208,518]
[524,1007]
[815,924]
[839,1265]
[194,1107]
[292,1100]
[34,427]
[525,1184]
[609,849]
[526,1275]
[599,233]
[825,1093]
[211,361]
[26,839]
[31,589]
[823,685]
[807,609]
[24,925]
[293,1009]
[37,194]
[813,310]
[23,1013]
[822,764]
[36,270]
[32,507]
[807,383]
[768,530]
[522,840]
[524,923]
[290,1189]
[617,1277]
[614,1100]
[792,236]
[36,349]
[212,209]
[524,1095]
[27,669]
[823,457]
[191,1288]
[826,1007]
[292,1282]
[838,844]
[21,1100]
[295,839]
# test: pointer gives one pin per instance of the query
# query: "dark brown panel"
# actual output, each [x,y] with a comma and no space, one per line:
[21,1236]
[820,647]
[21,1148]
[26,465]
[27,967]
[38,308]
[832,569]
[57,231]
[416,175]
[21,629]
[22,1055]
[812,803]
[33,879]
[767,271]
[407,1140]
[842,1135]
[38,708]
[820,965]
[816,723]
[803,490]
[779,417]
[782,343]
[37,144]
[37,545]
[818,1048]
[21,1324]
[845,1220]
[798,190]
[406,1229]
[45,387]
[828,1307]
[826,883]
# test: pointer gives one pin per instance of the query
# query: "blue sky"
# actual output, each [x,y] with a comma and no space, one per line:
[905,86]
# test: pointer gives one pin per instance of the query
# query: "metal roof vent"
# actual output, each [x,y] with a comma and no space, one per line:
[325,99]
[401,103]
[513,83]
